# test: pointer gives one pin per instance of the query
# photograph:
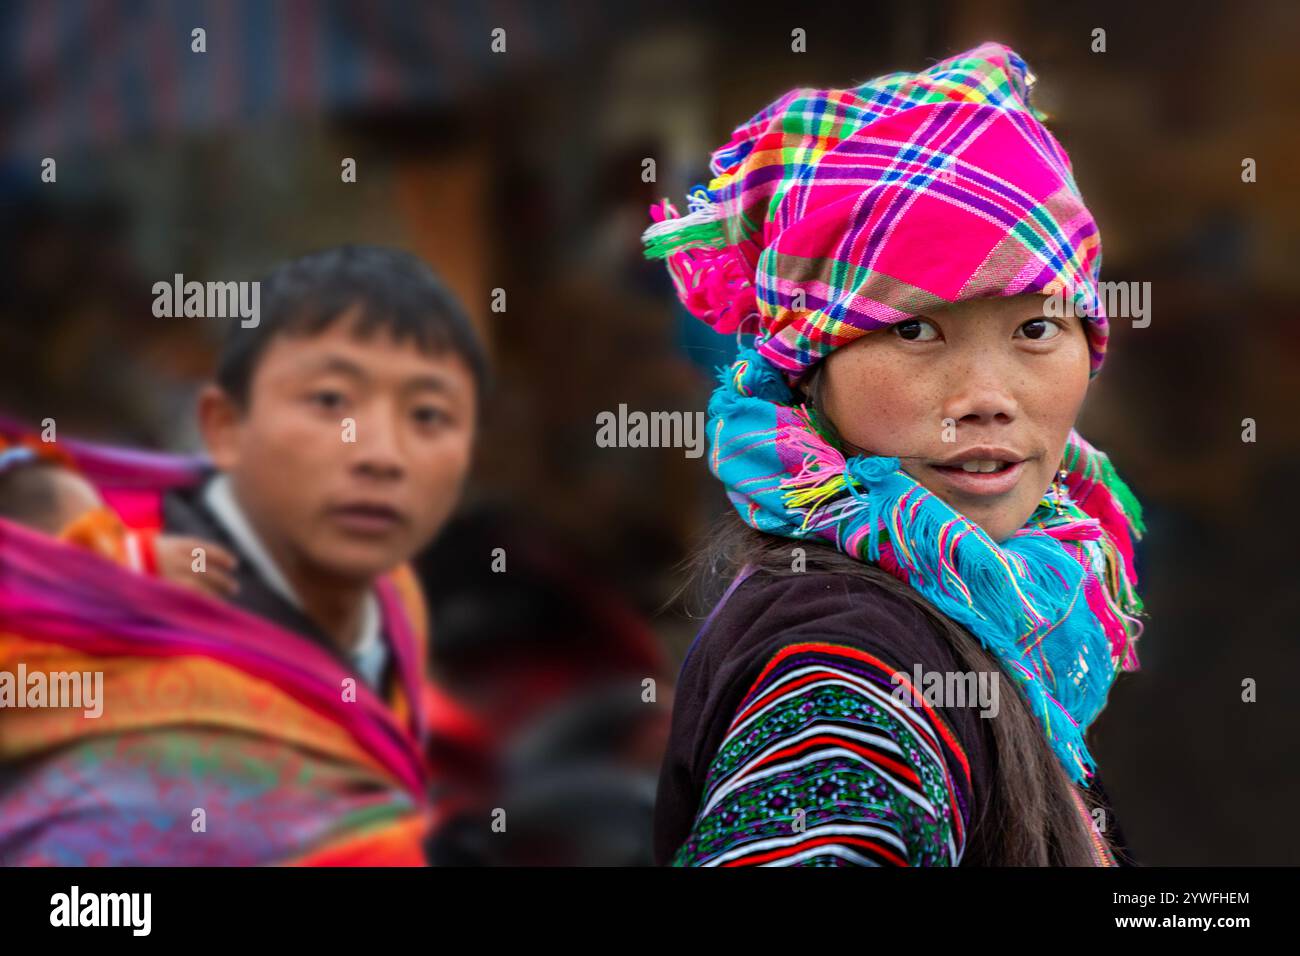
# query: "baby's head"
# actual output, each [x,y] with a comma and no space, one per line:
[40,489]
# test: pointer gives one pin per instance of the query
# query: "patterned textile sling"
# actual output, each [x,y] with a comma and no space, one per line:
[222,739]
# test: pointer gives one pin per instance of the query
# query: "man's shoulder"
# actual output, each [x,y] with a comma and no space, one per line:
[185,513]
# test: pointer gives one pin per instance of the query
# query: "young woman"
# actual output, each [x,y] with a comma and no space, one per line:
[930,584]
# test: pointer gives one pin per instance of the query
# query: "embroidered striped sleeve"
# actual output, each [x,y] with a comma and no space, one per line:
[825,764]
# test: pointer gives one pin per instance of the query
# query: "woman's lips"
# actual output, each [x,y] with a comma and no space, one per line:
[980,483]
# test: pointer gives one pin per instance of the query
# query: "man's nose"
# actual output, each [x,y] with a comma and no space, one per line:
[379,445]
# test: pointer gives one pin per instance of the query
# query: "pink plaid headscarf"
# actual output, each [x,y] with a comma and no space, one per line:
[834,213]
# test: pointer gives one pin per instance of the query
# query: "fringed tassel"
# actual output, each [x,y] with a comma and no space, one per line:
[820,480]
[661,239]
[1101,493]
[670,231]
[1026,600]
[709,273]
[979,585]
[1092,468]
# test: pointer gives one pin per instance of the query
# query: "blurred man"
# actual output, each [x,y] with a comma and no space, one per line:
[290,722]
[341,429]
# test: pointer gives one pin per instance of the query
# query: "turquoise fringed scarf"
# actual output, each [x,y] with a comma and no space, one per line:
[1055,603]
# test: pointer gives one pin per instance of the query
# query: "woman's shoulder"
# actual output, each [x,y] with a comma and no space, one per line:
[834,653]
[774,624]
[769,612]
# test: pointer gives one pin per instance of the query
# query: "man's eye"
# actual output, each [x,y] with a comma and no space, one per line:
[429,415]
[328,400]
[1040,330]
[916,330]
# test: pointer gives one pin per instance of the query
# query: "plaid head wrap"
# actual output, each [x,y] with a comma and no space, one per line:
[835,213]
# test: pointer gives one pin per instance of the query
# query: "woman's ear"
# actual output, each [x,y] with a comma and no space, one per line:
[807,386]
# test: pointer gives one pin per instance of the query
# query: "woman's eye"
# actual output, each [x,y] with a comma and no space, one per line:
[916,330]
[1040,329]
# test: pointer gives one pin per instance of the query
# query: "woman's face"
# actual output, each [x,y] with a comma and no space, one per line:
[990,381]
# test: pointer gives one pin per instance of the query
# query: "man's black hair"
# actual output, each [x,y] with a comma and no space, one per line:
[393,290]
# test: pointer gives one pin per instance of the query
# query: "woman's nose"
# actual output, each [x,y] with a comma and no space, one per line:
[981,396]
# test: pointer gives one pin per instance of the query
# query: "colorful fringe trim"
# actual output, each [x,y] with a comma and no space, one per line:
[1056,602]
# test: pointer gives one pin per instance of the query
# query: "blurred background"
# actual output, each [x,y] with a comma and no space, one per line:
[522,171]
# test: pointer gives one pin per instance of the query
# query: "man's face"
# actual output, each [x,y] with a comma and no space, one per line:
[351,453]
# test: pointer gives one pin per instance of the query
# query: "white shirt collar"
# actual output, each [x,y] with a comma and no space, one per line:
[369,653]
